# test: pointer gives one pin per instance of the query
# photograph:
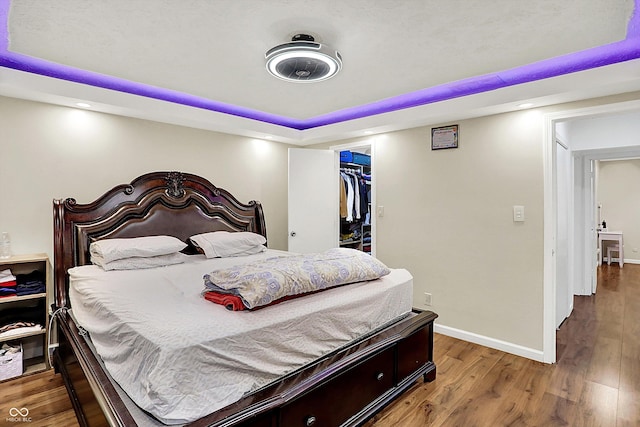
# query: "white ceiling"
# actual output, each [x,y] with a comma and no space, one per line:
[214,49]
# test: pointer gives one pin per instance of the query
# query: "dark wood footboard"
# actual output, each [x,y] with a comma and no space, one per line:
[345,388]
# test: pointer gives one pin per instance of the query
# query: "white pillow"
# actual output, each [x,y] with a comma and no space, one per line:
[135,263]
[252,251]
[109,250]
[224,244]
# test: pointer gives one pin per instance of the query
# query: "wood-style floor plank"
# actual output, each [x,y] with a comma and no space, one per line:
[604,367]
[43,395]
[628,409]
[554,411]
[595,382]
[598,405]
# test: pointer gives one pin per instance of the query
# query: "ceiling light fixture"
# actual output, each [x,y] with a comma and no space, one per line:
[303,60]
[525,105]
[83,104]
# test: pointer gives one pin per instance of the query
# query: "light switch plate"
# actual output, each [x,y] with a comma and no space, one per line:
[518,214]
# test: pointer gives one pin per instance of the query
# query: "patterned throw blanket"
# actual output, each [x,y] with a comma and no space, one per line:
[274,279]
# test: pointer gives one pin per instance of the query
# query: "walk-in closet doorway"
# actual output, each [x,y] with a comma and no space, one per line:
[314,221]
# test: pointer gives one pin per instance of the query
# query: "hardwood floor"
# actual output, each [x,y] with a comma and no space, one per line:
[43,395]
[596,381]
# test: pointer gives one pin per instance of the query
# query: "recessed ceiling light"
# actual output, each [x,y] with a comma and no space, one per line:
[303,60]
[525,105]
[268,137]
[83,104]
[368,132]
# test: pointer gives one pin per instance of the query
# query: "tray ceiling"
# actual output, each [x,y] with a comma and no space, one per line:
[397,55]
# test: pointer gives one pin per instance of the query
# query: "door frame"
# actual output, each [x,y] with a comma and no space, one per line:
[587,158]
[369,143]
[581,259]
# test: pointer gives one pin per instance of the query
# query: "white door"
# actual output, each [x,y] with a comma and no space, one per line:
[313,200]
[584,244]
[564,293]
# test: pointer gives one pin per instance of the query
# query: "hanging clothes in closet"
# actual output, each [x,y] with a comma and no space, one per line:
[354,201]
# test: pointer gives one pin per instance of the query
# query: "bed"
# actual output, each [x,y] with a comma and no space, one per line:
[346,383]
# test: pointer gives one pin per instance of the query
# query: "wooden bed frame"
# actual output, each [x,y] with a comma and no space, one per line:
[346,387]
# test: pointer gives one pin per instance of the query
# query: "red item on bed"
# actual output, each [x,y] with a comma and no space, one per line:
[234,302]
[231,302]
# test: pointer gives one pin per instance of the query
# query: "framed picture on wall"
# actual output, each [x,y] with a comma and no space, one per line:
[444,137]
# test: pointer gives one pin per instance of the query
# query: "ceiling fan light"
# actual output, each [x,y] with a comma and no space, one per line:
[303,60]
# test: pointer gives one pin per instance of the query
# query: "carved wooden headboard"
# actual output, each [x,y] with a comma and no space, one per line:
[159,203]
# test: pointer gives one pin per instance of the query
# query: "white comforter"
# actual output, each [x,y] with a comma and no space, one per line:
[180,357]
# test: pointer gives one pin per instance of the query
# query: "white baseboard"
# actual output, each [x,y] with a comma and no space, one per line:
[507,347]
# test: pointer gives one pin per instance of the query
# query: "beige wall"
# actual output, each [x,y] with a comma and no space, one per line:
[449,220]
[620,202]
[49,152]
[448,213]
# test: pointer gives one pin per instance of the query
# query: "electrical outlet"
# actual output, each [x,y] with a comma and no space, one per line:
[427,298]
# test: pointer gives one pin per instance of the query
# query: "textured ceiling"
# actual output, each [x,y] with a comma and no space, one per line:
[213,50]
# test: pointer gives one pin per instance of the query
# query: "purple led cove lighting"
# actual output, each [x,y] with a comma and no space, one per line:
[33,65]
[613,53]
